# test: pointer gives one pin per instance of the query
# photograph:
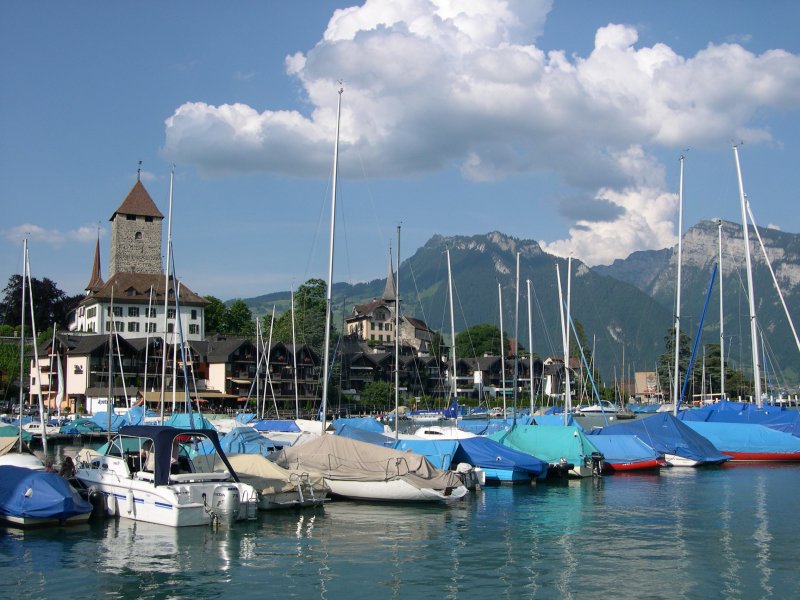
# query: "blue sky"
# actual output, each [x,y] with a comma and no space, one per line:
[560,122]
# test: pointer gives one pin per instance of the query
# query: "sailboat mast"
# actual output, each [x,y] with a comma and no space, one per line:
[328,295]
[294,363]
[166,296]
[453,384]
[530,344]
[516,334]
[566,336]
[502,350]
[721,320]
[35,351]
[676,379]
[751,297]
[110,402]
[22,338]
[397,343]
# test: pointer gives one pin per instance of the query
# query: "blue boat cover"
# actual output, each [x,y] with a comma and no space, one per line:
[491,454]
[666,435]
[365,435]
[643,408]
[624,449]
[276,425]
[11,431]
[38,494]
[746,437]
[101,420]
[80,426]
[367,423]
[245,418]
[774,417]
[556,419]
[188,421]
[489,426]
[244,440]
[439,452]
[549,443]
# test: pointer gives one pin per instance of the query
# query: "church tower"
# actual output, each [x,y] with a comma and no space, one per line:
[136,234]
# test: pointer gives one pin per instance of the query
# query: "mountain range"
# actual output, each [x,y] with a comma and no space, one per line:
[626,309]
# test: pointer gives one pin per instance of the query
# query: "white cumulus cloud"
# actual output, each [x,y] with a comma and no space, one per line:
[435,83]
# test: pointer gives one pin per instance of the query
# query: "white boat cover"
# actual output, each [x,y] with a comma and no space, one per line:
[269,478]
[345,459]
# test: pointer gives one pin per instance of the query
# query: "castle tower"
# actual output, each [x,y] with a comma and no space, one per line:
[136,235]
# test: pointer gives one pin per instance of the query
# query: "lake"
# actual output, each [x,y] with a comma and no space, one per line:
[720,532]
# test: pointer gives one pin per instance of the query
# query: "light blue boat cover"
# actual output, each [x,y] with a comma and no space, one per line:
[624,449]
[38,494]
[276,425]
[245,440]
[245,418]
[549,443]
[774,417]
[439,452]
[80,426]
[101,419]
[491,454]
[367,423]
[489,426]
[187,421]
[556,419]
[667,435]
[746,437]
[365,435]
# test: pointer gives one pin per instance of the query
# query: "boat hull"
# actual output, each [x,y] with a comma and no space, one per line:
[395,490]
[642,465]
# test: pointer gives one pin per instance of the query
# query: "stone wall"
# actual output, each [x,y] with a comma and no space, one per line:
[135,245]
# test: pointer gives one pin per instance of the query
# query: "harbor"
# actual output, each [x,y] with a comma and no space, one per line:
[679,533]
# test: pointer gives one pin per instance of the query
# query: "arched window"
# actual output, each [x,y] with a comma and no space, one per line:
[138,235]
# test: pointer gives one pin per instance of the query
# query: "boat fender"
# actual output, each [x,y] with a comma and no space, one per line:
[129,500]
[96,499]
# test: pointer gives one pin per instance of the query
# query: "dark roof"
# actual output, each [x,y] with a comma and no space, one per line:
[134,288]
[220,347]
[362,310]
[416,323]
[138,202]
[95,281]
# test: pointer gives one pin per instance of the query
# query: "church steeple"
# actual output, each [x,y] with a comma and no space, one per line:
[390,290]
[95,281]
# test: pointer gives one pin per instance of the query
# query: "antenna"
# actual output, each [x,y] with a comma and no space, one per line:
[139,172]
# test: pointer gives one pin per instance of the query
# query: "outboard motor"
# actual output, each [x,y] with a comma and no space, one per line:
[598,461]
[226,502]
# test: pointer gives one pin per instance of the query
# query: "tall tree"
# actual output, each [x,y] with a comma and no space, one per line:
[309,317]
[239,319]
[50,304]
[214,315]
[479,340]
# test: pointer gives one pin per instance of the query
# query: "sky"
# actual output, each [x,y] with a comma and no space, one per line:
[561,122]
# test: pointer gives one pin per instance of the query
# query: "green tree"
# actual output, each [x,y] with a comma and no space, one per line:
[214,315]
[378,394]
[479,340]
[310,304]
[50,304]
[239,319]
[666,362]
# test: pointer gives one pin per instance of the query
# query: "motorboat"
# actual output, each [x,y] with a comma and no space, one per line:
[32,497]
[148,473]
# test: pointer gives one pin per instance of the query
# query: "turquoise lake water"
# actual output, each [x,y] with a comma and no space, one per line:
[722,532]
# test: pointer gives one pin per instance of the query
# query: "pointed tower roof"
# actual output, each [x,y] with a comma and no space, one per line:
[390,291]
[95,281]
[138,202]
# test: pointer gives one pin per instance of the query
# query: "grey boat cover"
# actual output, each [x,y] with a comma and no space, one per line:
[269,478]
[345,459]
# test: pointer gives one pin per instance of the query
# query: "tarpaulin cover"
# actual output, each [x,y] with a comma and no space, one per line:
[276,425]
[101,419]
[189,421]
[80,426]
[367,423]
[667,435]
[746,438]
[774,417]
[624,449]
[439,452]
[245,440]
[549,443]
[341,458]
[555,420]
[38,494]
[488,453]
[269,478]
[489,426]
[365,435]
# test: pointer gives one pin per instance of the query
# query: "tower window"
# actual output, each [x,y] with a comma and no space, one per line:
[138,235]
[148,219]
[130,217]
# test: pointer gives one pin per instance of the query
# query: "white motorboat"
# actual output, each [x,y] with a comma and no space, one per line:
[146,474]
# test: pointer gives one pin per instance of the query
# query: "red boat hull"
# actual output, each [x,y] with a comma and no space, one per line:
[644,465]
[764,456]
